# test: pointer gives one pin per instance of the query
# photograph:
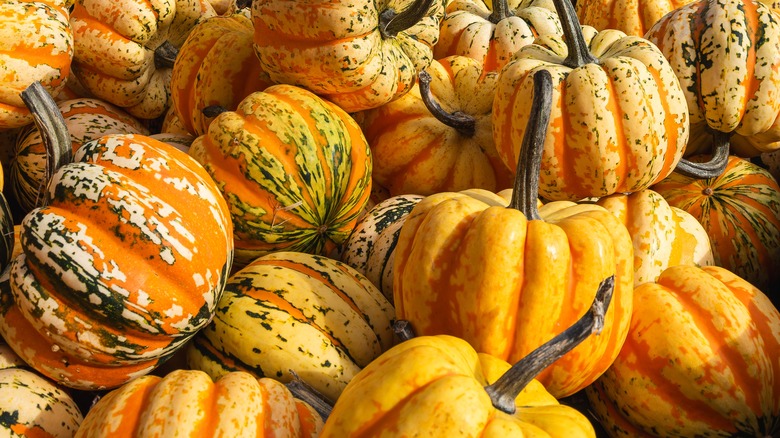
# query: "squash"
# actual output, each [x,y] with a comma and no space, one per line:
[506,280]
[294,168]
[125,50]
[37,46]
[492,34]
[619,122]
[740,210]
[126,261]
[633,17]
[188,402]
[438,136]
[726,55]
[440,386]
[370,249]
[357,54]
[662,235]
[291,313]
[216,65]
[701,359]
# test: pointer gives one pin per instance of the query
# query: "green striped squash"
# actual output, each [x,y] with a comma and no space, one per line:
[740,210]
[294,168]
[371,246]
[295,312]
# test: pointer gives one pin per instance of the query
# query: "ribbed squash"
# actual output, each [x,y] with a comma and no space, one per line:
[216,65]
[740,210]
[726,55]
[619,121]
[358,54]
[125,50]
[291,312]
[493,33]
[36,44]
[663,235]
[189,403]
[295,170]
[633,17]
[439,136]
[509,279]
[370,249]
[701,359]
[123,265]
[85,119]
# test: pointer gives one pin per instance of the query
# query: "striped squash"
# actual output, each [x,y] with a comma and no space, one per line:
[295,170]
[740,210]
[701,359]
[190,403]
[124,52]
[633,17]
[370,249]
[438,137]
[492,34]
[726,55]
[294,312]
[124,264]
[662,235]
[36,45]
[85,119]
[216,65]
[358,54]
[619,122]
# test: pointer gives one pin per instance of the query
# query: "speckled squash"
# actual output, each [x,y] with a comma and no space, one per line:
[422,150]
[294,312]
[216,65]
[190,403]
[85,119]
[619,122]
[125,50]
[701,359]
[370,249]
[662,235]
[493,33]
[357,54]
[294,168]
[633,17]
[123,265]
[36,44]
[740,210]
[726,54]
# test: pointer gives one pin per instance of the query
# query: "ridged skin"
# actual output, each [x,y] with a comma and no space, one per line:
[187,403]
[701,359]
[634,17]
[295,312]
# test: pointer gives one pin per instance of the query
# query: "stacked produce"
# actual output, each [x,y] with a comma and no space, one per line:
[390,218]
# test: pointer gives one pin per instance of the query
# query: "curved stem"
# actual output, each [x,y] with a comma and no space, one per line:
[712,168]
[54,131]
[505,390]
[165,55]
[303,391]
[526,185]
[460,121]
[500,11]
[572,35]
[391,23]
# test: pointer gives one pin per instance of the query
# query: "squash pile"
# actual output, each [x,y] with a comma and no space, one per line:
[506,218]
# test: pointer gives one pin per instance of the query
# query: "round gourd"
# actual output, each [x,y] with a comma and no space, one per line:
[190,403]
[291,312]
[633,17]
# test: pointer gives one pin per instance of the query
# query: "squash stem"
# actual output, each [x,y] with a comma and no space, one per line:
[391,22]
[460,121]
[505,390]
[403,329]
[304,391]
[712,168]
[165,55]
[526,184]
[572,35]
[213,110]
[54,132]
[500,11]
